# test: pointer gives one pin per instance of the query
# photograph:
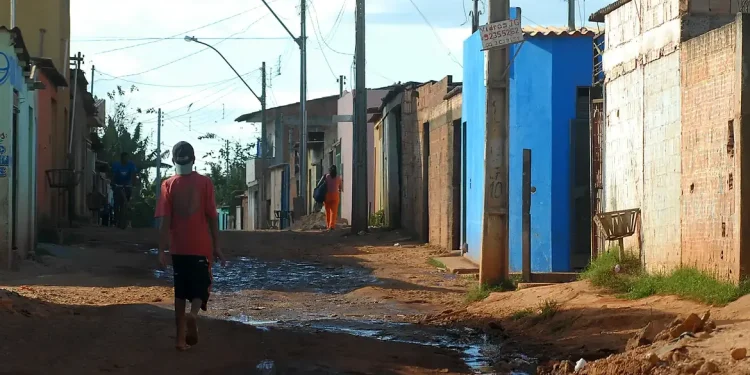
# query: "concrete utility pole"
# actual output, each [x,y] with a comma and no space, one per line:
[158,154]
[571,15]
[226,155]
[303,105]
[493,265]
[264,151]
[341,86]
[157,181]
[359,165]
[302,43]
[475,17]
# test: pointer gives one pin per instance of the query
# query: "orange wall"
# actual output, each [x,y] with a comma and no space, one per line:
[44,148]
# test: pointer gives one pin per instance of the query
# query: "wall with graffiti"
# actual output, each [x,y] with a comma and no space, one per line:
[17,153]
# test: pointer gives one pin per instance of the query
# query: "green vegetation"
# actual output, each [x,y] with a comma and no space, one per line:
[546,309]
[436,263]
[377,220]
[634,283]
[124,132]
[520,314]
[482,291]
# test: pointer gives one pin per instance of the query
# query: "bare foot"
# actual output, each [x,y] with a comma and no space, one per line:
[192,329]
[182,347]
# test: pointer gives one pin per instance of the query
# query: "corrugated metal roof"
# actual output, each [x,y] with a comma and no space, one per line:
[556,31]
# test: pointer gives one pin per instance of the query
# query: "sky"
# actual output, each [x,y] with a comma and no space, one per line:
[141,43]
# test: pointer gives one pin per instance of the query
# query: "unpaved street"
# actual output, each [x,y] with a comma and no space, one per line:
[312,303]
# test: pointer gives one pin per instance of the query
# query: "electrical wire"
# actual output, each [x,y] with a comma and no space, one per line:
[112,39]
[207,88]
[209,104]
[159,85]
[437,36]
[184,32]
[337,22]
[191,54]
[315,14]
[318,37]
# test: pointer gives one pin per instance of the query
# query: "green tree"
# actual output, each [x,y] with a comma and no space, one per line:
[124,133]
[227,168]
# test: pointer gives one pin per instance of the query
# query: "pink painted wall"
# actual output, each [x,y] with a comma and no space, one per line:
[345,134]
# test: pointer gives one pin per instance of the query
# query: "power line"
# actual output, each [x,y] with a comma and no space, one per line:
[319,36]
[159,85]
[209,104]
[337,21]
[113,39]
[324,41]
[182,33]
[192,54]
[437,36]
[206,89]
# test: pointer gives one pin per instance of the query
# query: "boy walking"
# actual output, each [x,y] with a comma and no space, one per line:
[190,230]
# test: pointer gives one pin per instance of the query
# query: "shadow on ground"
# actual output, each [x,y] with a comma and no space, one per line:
[40,338]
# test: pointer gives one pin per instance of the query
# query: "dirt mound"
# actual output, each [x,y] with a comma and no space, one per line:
[314,221]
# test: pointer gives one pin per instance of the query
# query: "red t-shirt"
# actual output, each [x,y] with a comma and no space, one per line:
[189,201]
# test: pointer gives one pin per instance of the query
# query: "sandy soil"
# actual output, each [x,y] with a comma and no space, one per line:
[97,308]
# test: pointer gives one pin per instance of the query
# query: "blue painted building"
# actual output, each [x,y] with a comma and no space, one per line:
[549,84]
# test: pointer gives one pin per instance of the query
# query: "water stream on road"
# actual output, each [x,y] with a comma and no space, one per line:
[476,349]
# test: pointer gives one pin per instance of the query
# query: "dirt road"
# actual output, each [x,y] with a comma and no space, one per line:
[312,303]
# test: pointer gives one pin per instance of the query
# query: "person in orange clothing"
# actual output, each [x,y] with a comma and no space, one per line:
[334,187]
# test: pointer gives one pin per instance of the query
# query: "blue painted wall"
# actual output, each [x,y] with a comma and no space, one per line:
[543,81]
[473,114]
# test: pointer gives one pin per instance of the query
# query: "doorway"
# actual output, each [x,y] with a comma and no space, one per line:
[580,183]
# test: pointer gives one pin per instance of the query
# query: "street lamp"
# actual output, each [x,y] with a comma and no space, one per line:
[261,99]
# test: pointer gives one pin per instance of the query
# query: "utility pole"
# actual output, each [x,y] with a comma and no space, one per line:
[341,86]
[158,154]
[264,150]
[475,17]
[157,182]
[302,43]
[359,170]
[303,105]
[493,265]
[226,156]
[571,15]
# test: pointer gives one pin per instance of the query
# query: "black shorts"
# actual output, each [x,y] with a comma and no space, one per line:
[192,278]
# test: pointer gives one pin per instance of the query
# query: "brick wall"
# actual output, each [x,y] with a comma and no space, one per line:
[439,114]
[709,164]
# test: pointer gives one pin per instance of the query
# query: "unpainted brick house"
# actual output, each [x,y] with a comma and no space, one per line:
[674,99]
[417,160]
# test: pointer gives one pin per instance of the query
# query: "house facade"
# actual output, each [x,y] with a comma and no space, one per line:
[17,150]
[417,163]
[672,128]
[550,79]
[282,133]
[47,103]
[345,149]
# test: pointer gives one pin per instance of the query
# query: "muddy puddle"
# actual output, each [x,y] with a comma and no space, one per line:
[479,353]
[285,275]
[244,275]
